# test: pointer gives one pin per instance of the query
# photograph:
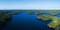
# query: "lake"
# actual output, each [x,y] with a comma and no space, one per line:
[24,21]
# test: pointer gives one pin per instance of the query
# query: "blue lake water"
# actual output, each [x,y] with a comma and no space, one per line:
[24,21]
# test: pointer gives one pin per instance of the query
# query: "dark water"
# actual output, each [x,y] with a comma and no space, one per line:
[24,21]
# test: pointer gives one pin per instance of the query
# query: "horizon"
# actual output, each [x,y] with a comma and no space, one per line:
[30,4]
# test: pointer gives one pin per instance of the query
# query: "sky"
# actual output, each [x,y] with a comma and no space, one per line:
[29,4]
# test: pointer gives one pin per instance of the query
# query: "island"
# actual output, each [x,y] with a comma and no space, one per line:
[46,15]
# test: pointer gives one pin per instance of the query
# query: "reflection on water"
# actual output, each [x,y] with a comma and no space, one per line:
[2,26]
